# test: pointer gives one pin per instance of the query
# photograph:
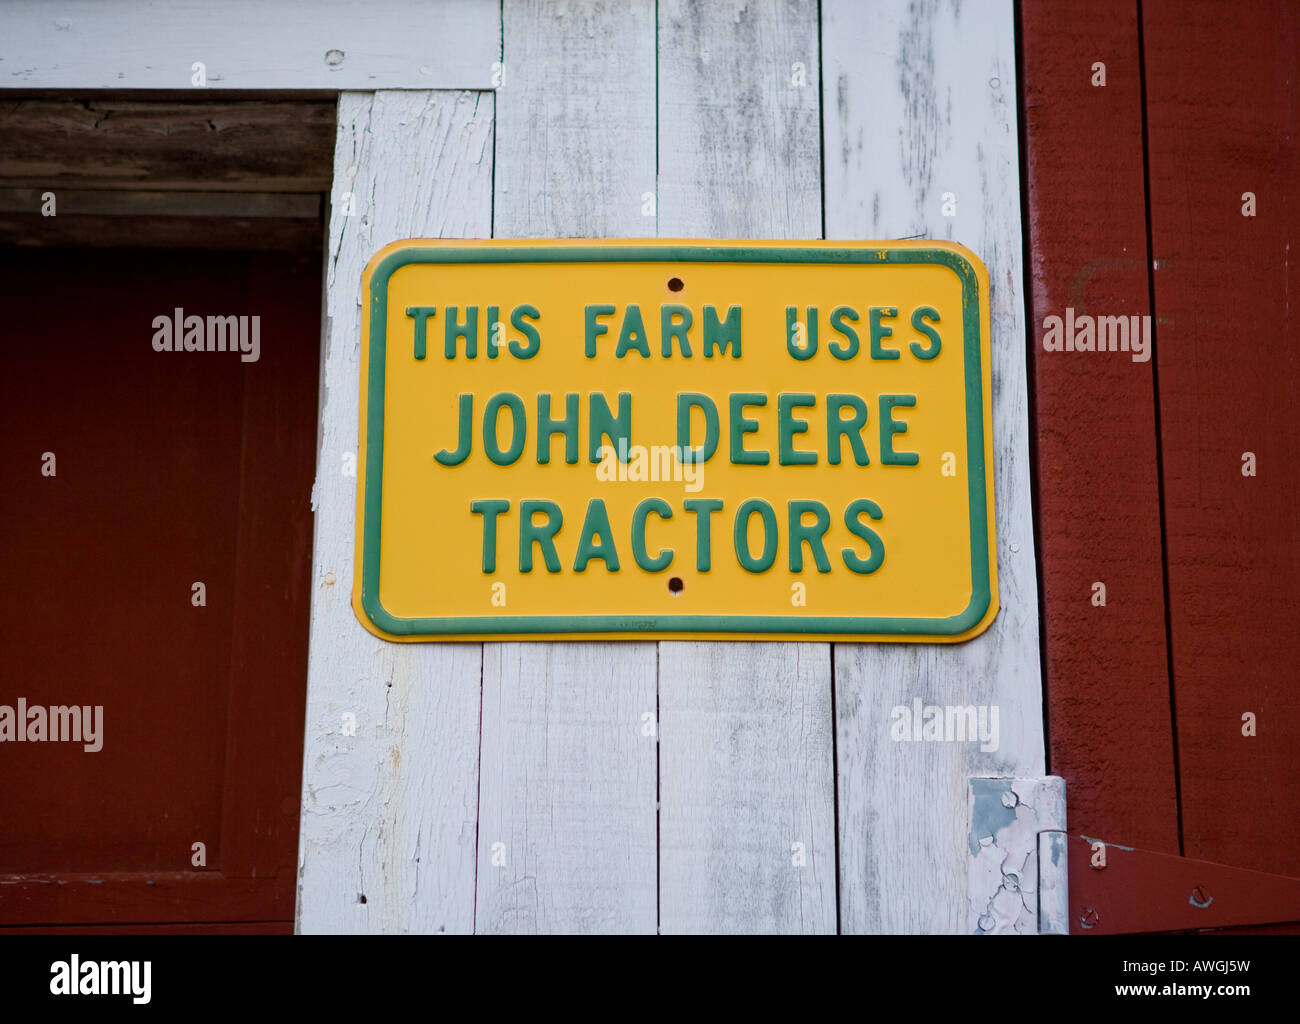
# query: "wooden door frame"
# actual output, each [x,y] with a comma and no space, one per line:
[155,139]
[90,66]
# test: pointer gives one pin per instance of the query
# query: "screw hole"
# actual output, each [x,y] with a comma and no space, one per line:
[361,897]
[675,284]
[675,585]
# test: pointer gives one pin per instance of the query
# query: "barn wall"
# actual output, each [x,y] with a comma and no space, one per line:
[1106,673]
[1163,187]
[922,141]
[1229,377]
[516,787]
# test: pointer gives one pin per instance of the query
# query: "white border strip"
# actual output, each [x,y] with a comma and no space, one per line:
[237,44]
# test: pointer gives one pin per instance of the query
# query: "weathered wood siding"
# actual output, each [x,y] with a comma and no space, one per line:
[1106,675]
[1229,376]
[390,813]
[746,771]
[675,786]
[1160,142]
[919,108]
[567,790]
[273,44]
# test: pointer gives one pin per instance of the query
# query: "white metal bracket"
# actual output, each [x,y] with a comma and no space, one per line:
[1017,879]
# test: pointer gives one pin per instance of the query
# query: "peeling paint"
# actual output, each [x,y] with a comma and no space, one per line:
[989,814]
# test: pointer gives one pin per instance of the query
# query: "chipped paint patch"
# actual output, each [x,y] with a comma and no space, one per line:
[1053,887]
[990,812]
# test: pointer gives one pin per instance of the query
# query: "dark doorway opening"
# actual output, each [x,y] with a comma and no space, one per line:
[158,462]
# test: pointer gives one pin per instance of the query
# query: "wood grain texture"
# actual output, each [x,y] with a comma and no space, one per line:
[919,100]
[260,797]
[568,780]
[119,218]
[140,203]
[205,928]
[567,838]
[739,153]
[746,763]
[156,896]
[1222,115]
[281,44]
[747,830]
[576,120]
[264,234]
[389,813]
[1107,669]
[238,145]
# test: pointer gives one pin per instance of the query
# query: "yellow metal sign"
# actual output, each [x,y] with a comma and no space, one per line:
[637,439]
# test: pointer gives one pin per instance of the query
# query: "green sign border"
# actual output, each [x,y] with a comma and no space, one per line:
[488,624]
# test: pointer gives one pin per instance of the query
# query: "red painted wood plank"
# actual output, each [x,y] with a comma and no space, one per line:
[100,557]
[1222,114]
[1107,676]
[199,928]
[170,469]
[272,577]
[126,897]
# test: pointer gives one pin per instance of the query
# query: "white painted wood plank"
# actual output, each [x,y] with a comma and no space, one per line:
[576,116]
[920,100]
[568,778]
[567,814]
[747,827]
[739,153]
[272,44]
[746,765]
[390,812]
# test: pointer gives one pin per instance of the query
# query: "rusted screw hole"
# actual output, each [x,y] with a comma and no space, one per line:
[675,284]
[675,585]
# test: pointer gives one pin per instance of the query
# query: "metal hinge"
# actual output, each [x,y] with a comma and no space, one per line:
[1119,890]
[1017,877]
[1027,876]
